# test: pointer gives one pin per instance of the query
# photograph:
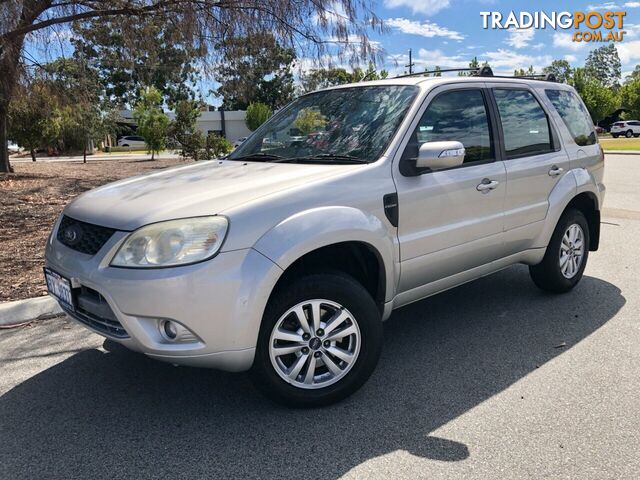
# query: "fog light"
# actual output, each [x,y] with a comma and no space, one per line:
[169,329]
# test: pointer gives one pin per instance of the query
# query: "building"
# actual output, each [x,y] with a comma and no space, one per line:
[228,124]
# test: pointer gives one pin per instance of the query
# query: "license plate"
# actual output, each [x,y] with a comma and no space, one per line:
[59,287]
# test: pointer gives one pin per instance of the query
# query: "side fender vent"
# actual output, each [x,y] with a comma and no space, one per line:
[390,202]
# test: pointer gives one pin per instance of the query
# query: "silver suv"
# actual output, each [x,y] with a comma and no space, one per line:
[285,257]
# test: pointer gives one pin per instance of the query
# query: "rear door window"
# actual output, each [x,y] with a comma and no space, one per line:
[574,116]
[525,125]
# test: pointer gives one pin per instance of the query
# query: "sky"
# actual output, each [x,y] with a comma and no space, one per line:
[449,33]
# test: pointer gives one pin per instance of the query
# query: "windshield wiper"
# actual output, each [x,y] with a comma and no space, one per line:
[266,157]
[320,157]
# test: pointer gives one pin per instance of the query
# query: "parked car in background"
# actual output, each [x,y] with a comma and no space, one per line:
[286,257]
[599,130]
[13,148]
[628,128]
[131,141]
[239,142]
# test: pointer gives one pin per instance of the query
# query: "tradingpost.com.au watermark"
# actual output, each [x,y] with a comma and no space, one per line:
[589,26]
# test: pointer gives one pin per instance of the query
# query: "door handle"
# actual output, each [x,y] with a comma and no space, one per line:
[487,185]
[555,171]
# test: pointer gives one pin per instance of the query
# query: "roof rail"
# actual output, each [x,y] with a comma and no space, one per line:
[444,70]
[484,71]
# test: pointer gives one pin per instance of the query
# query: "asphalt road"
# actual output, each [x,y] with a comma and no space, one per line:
[494,379]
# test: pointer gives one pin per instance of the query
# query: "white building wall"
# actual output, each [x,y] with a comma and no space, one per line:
[234,124]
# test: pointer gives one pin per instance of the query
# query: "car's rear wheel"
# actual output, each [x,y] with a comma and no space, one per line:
[566,257]
[614,135]
[629,133]
[319,341]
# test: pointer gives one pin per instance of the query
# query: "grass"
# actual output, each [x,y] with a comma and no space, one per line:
[611,144]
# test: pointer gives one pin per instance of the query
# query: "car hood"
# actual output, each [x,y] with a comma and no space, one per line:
[204,188]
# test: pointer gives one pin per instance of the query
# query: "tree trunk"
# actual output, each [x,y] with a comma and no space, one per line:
[9,68]
[152,155]
[33,154]
[5,166]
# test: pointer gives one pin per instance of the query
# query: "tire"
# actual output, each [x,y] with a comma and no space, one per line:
[629,133]
[615,135]
[330,291]
[550,275]
[125,145]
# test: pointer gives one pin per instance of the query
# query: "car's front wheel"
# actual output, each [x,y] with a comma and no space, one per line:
[614,135]
[319,341]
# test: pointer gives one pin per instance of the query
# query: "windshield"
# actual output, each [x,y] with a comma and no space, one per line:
[346,124]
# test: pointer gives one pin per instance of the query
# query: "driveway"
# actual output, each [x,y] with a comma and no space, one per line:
[494,379]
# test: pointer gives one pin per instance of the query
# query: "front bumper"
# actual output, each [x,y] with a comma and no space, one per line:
[220,300]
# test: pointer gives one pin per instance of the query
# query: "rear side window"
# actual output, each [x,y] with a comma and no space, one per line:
[524,123]
[458,115]
[574,116]
[619,124]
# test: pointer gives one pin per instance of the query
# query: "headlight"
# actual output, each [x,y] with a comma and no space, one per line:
[176,242]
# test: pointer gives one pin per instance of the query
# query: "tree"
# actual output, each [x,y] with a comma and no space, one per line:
[30,117]
[153,124]
[257,114]
[316,79]
[183,127]
[217,146]
[630,95]
[603,64]
[561,69]
[599,99]
[129,53]
[257,61]
[523,73]
[635,75]
[206,23]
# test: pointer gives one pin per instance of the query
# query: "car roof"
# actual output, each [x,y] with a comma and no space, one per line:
[430,82]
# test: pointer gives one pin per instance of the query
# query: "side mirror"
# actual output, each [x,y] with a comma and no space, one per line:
[437,155]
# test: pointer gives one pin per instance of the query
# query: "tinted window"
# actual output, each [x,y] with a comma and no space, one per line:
[574,116]
[458,115]
[634,123]
[139,139]
[524,123]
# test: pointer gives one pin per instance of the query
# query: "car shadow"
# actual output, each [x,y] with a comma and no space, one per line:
[118,414]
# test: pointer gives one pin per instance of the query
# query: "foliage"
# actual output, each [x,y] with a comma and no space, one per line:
[315,79]
[126,54]
[153,124]
[520,72]
[603,64]
[561,69]
[183,128]
[600,101]
[630,97]
[256,69]
[30,116]
[309,120]
[217,146]
[194,146]
[257,114]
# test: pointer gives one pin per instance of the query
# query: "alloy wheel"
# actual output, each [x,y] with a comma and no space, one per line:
[314,344]
[572,251]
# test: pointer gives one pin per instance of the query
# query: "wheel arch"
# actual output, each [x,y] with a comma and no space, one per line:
[335,238]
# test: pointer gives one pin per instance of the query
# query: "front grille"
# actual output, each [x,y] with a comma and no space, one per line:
[94,311]
[81,236]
